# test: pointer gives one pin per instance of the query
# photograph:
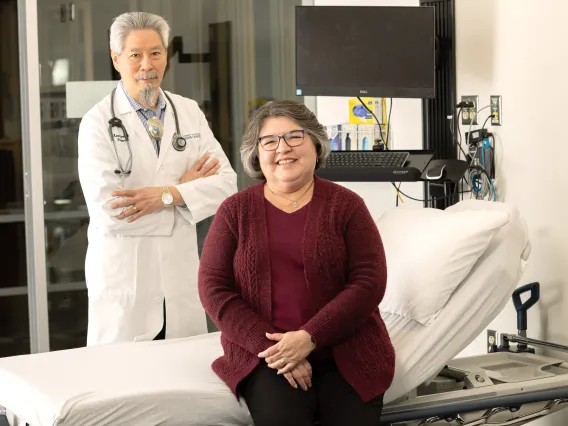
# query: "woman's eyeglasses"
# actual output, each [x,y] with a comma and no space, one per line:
[292,138]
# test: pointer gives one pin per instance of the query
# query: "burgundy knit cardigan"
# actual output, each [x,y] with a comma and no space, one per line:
[346,274]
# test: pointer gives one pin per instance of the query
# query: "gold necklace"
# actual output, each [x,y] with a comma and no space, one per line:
[295,202]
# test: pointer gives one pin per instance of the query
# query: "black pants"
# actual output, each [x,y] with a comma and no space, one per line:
[331,401]
[162,334]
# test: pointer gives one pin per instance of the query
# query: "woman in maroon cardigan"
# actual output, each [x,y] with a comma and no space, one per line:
[292,272]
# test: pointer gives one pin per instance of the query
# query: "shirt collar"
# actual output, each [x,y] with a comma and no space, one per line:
[137,106]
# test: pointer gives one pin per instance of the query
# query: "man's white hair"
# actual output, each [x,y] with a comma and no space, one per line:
[124,24]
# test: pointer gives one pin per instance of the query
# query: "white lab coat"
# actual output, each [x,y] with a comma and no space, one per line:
[131,267]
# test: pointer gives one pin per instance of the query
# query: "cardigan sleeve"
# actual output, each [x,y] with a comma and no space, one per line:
[365,285]
[222,302]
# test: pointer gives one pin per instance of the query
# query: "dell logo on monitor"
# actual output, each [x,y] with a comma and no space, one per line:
[363,92]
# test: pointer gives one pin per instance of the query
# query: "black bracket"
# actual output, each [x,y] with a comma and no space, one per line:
[176,47]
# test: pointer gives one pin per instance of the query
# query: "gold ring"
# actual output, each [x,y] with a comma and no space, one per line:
[282,361]
[134,207]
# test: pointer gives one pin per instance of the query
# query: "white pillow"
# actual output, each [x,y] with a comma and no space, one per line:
[429,252]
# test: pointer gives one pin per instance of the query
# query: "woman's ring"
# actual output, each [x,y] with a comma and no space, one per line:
[135,209]
[282,362]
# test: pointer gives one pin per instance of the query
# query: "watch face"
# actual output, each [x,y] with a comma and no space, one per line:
[167,198]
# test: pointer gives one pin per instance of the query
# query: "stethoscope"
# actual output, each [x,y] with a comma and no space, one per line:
[178,142]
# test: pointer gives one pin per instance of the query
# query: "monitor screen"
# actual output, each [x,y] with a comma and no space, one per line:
[365,51]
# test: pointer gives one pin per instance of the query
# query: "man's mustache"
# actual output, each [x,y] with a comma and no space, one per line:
[147,76]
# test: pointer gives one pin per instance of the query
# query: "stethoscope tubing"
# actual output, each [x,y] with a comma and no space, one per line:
[178,142]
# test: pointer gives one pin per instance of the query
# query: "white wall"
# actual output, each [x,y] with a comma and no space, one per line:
[516,49]
[406,121]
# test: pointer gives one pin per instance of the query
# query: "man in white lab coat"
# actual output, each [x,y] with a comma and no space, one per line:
[150,169]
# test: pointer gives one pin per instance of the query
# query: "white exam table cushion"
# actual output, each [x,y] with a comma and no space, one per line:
[429,252]
[422,351]
[171,382]
[143,383]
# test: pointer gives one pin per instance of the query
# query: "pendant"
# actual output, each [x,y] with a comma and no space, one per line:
[295,204]
[155,128]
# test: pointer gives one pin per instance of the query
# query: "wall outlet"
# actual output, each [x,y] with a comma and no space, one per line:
[469,115]
[495,102]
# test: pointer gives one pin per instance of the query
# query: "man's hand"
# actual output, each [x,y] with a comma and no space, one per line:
[292,347]
[300,375]
[138,202]
[201,170]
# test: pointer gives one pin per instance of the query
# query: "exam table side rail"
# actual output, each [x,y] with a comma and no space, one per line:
[492,404]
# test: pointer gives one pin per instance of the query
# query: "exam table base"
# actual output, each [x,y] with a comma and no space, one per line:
[498,416]
[500,389]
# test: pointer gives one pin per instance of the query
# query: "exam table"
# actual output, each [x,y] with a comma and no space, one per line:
[170,382]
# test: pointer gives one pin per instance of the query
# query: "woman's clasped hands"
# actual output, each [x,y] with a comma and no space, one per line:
[289,356]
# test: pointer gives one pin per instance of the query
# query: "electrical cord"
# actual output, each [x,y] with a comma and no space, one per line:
[481,184]
[435,198]
[458,142]
[388,133]
[486,120]
[389,121]
[384,143]
[493,156]
[461,106]
[471,122]
[459,130]
[376,119]
[491,146]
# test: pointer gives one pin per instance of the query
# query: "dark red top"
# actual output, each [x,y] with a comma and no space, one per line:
[290,298]
[345,272]
[291,307]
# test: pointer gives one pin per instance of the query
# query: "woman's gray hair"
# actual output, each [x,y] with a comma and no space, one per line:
[124,24]
[295,111]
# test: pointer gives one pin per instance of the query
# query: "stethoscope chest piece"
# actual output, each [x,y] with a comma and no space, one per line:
[179,143]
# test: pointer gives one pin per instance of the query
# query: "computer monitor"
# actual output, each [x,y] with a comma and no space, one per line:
[369,51]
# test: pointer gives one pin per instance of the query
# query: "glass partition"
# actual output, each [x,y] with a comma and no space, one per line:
[229,56]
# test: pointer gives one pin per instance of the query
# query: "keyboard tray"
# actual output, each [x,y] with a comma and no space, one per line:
[411,172]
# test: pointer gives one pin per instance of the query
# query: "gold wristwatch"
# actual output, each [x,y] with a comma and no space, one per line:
[167,197]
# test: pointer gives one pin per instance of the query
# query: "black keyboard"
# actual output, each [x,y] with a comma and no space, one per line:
[365,159]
